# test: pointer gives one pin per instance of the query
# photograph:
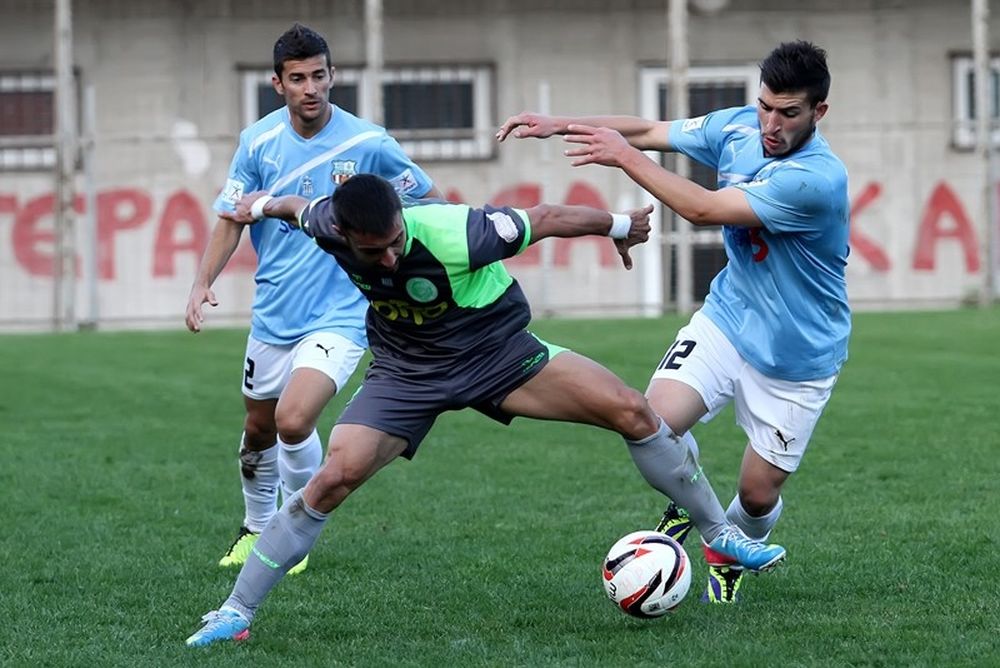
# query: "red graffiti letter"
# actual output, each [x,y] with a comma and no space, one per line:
[27,237]
[942,202]
[861,243]
[117,210]
[181,210]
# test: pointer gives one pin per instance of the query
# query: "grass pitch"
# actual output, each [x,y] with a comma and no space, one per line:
[120,492]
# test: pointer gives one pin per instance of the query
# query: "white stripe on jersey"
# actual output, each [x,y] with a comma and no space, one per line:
[266,136]
[336,150]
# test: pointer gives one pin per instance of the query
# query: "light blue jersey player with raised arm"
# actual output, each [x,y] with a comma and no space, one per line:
[772,334]
[307,332]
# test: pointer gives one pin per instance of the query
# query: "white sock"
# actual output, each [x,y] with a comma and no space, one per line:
[758,528]
[297,463]
[259,476]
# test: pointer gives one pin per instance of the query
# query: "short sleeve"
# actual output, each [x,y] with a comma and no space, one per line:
[496,233]
[703,138]
[244,177]
[791,199]
[397,168]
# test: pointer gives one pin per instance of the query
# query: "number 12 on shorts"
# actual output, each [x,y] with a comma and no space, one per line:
[675,354]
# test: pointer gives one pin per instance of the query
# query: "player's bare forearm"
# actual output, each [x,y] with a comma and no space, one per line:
[221,246]
[641,133]
[690,201]
[285,207]
[555,220]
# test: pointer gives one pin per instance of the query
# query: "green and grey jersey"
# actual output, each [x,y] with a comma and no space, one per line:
[450,293]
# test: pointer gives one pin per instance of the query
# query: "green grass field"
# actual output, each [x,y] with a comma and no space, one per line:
[120,493]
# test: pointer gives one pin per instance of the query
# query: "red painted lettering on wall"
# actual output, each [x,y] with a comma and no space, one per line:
[182,229]
[117,210]
[944,204]
[860,242]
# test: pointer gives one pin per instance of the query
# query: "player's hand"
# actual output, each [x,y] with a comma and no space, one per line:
[528,124]
[637,234]
[597,146]
[193,317]
[242,214]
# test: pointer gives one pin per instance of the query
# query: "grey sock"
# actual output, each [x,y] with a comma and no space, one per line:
[758,528]
[286,539]
[671,466]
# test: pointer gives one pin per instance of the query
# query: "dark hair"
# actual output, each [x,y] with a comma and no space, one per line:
[797,66]
[299,43]
[365,203]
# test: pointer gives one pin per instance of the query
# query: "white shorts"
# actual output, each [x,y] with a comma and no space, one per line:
[268,367]
[778,416]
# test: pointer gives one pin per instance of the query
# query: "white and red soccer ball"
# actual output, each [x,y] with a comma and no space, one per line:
[647,574]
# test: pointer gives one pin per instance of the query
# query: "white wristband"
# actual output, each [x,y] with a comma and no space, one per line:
[257,208]
[621,223]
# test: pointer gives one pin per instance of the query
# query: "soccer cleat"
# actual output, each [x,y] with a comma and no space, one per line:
[675,523]
[723,585]
[220,625]
[733,547]
[299,567]
[240,549]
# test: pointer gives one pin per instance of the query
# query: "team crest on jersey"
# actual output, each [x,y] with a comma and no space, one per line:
[421,290]
[306,186]
[343,170]
[233,191]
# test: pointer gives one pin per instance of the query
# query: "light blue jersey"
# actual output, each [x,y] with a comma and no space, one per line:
[782,298]
[300,289]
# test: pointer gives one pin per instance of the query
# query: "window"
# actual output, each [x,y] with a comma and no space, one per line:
[27,120]
[964,101]
[436,112]
[709,88]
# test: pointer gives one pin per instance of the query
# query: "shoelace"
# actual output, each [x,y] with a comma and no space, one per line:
[741,539]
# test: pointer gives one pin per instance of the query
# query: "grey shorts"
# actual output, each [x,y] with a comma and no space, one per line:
[405,404]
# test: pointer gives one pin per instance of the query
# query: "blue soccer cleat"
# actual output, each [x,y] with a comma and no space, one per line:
[733,547]
[675,523]
[220,625]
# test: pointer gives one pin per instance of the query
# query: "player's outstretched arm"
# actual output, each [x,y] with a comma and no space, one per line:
[221,246]
[639,132]
[256,206]
[627,229]
[698,205]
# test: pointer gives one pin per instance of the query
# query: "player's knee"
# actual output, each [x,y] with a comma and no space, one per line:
[294,425]
[258,434]
[632,417]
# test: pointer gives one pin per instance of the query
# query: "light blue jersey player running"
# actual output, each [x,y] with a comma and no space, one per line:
[307,331]
[772,334]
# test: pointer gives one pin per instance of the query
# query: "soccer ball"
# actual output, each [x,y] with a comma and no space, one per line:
[647,574]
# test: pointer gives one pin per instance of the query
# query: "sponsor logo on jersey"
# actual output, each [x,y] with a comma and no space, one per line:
[233,191]
[504,225]
[343,170]
[692,124]
[306,186]
[421,290]
[405,182]
[397,309]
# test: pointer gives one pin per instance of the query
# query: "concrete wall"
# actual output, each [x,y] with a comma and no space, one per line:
[165,74]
